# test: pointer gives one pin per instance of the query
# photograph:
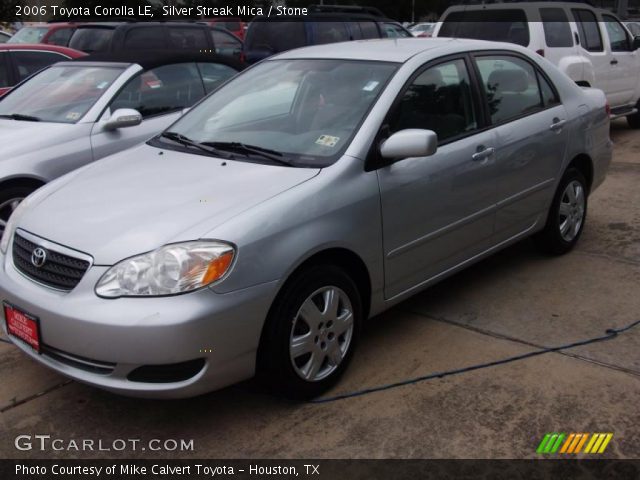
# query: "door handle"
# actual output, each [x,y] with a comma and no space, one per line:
[557,124]
[614,62]
[483,153]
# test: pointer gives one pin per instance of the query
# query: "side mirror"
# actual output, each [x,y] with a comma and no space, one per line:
[412,142]
[635,43]
[122,118]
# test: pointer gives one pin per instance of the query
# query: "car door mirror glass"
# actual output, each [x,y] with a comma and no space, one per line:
[122,118]
[412,142]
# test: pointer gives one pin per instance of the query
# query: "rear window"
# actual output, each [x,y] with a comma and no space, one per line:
[509,25]
[588,30]
[91,40]
[276,36]
[144,38]
[184,38]
[557,32]
[29,35]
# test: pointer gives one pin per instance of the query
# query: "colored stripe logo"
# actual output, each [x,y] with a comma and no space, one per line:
[574,443]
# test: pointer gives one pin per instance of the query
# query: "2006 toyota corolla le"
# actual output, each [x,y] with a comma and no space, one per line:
[313,191]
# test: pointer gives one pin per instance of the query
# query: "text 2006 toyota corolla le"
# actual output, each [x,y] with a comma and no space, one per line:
[313,191]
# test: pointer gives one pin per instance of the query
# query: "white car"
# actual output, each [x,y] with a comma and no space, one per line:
[422,29]
[590,45]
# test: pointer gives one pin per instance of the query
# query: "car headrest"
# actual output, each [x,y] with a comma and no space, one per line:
[508,81]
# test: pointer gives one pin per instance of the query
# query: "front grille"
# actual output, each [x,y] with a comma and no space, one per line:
[59,271]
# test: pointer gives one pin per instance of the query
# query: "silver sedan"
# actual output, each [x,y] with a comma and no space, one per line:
[311,192]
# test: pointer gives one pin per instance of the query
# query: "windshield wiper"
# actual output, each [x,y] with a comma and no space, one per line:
[19,116]
[186,141]
[272,155]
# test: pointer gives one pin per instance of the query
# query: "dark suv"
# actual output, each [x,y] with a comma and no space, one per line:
[97,38]
[266,37]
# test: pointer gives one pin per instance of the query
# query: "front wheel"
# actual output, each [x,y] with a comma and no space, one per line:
[567,215]
[311,333]
[634,120]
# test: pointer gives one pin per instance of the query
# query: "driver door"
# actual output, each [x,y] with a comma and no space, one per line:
[438,211]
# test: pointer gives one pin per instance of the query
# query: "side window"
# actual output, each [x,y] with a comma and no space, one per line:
[29,63]
[618,36]
[5,80]
[184,38]
[393,31]
[161,90]
[225,43]
[439,99]
[549,95]
[141,38]
[588,30]
[60,37]
[557,32]
[510,85]
[331,32]
[369,30]
[214,74]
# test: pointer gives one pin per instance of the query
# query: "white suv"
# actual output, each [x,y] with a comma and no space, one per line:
[590,45]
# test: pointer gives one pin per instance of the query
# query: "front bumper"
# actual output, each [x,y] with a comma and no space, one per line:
[128,333]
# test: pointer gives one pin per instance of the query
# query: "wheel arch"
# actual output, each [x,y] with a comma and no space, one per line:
[22,182]
[584,165]
[340,257]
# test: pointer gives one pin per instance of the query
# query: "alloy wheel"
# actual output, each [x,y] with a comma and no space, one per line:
[321,333]
[572,209]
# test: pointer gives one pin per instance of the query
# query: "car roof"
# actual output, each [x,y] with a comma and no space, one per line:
[390,49]
[42,47]
[149,59]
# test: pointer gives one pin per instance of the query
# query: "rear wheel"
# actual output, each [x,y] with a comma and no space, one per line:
[311,332]
[567,215]
[10,198]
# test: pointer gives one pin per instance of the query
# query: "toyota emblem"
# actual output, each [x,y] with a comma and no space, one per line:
[38,257]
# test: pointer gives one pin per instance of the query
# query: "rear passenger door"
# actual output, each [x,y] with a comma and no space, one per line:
[437,211]
[160,95]
[530,123]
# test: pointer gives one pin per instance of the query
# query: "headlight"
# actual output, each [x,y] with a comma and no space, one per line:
[170,270]
[11,224]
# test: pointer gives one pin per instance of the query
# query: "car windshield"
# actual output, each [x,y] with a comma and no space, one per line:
[307,111]
[29,35]
[61,94]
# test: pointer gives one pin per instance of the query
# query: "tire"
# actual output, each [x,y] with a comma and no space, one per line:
[567,215]
[9,199]
[634,120]
[326,341]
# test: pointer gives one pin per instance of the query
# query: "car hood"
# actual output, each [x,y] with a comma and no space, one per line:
[19,137]
[143,198]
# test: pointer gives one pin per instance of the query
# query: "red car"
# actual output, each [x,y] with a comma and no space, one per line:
[19,61]
[233,25]
[55,33]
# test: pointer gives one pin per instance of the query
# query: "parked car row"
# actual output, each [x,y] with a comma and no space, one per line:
[116,36]
[258,231]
